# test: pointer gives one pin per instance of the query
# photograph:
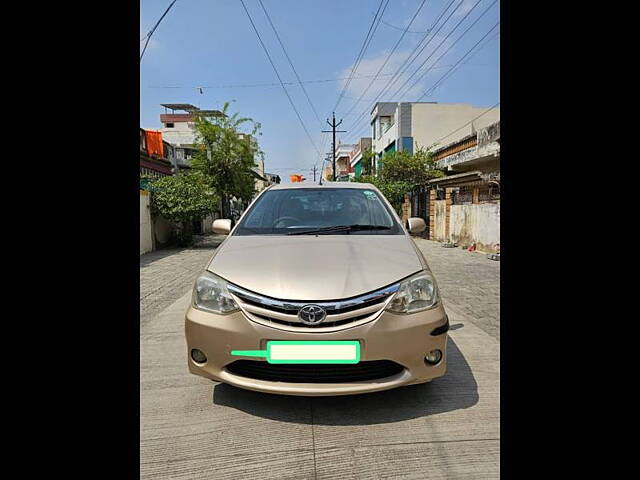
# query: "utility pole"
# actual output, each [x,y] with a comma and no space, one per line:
[314,174]
[333,130]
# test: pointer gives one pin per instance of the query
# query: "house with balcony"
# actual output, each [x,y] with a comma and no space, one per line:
[405,126]
[355,157]
[156,155]
[464,206]
[178,129]
[343,163]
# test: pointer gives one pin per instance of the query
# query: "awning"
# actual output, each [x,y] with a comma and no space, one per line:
[457,179]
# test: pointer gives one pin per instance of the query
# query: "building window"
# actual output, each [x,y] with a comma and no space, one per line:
[169,125]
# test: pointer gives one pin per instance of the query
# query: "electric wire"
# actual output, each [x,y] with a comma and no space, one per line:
[363,49]
[279,78]
[421,76]
[397,93]
[154,29]
[401,69]
[284,50]
[387,59]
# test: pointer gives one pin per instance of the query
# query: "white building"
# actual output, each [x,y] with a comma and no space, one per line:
[178,128]
[409,125]
[356,157]
[343,155]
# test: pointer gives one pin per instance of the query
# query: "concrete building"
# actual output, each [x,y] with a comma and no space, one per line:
[464,207]
[355,157]
[153,161]
[476,151]
[272,178]
[178,128]
[261,180]
[409,125]
[343,164]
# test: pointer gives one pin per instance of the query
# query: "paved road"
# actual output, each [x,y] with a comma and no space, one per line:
[468,282]
[191,428]
[166,275]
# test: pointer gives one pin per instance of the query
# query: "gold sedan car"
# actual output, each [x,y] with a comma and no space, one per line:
[318,290]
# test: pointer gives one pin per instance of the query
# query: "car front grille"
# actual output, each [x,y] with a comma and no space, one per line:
[342,313]
[315,373]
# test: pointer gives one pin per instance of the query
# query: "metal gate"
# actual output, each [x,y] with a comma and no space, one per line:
[420,206]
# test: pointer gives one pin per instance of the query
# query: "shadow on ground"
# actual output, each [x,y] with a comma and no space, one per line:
[149,258]
[209,242]
[456,390]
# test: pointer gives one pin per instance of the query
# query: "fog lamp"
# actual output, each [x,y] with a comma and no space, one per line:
[198,356]
[433,357]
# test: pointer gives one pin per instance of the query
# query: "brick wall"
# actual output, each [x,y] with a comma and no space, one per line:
[432,213]
[447,216]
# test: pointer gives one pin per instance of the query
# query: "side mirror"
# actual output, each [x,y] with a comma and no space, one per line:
[416,225]
[222,226]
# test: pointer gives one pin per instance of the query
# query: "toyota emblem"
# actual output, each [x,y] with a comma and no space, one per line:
[312,314]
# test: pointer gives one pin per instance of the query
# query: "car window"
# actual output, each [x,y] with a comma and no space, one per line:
[285,211]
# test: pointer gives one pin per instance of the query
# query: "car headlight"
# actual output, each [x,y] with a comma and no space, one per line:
[416,293]
[210,294]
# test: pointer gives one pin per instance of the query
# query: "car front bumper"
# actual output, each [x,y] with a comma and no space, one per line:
[403,339]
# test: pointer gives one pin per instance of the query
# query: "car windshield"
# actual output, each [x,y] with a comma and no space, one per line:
[319,210]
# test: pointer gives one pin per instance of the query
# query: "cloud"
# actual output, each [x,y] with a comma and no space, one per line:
[369,66]
[464,8]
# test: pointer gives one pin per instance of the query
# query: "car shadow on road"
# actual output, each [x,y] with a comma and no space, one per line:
[456,390]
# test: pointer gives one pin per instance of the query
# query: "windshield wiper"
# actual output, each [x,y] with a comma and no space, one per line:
[340,228]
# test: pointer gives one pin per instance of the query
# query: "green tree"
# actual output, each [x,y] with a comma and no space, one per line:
[183,199]
[368,162]
[226,155]
[393,191]
[417,168]
[400,172]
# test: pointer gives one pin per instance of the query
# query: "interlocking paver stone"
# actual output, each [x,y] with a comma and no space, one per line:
[167,274]
[469,283]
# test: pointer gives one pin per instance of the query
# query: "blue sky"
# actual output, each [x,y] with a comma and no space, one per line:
[210,43]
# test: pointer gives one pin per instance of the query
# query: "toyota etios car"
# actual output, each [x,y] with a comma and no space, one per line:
[318,290]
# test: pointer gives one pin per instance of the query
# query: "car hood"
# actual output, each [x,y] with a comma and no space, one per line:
[315,268]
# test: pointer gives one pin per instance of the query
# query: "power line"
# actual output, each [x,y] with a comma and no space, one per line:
[365,44]
[447,50]
[408,62]
[397,92]
[387,59]
[245,85]
[279,79]
[399,71]
[435,49]
[468,123]
[290,62]
[154,29]
[458,62]
[454,68]
[400,28]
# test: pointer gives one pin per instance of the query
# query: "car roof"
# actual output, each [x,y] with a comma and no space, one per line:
[291,186]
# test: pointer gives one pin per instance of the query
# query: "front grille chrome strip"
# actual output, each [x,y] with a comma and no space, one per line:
[330,307]
[340,314]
